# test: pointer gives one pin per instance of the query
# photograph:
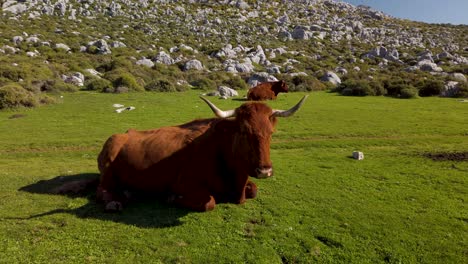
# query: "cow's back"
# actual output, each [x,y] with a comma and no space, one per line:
[261,92]
[149,159]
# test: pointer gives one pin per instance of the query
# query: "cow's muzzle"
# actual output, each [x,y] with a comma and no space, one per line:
[264,172]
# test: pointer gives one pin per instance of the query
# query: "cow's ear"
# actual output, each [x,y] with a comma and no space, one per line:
[273,120]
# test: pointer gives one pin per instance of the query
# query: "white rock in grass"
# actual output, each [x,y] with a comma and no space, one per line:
[358,155]
[129,108]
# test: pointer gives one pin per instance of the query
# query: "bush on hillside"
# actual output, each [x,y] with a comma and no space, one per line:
[13,95]
[431,88]
[235,82]
[160,85]
[121,78]
[394,86]
[462,91]
[13,73]
[409,92]
[204,84]
[305,83]
[352,87]
[98,84]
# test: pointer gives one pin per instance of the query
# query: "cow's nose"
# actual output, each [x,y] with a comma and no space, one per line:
[264,172]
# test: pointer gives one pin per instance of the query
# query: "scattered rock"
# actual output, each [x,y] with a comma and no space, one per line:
[193,65]
[128,108]
[331,77]
[227,92]
[358,155]
[145,62]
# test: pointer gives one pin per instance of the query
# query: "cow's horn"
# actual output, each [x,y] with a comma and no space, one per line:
[217,111]
[290,112]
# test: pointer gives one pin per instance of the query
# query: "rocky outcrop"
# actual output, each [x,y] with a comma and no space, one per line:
[331,77]
[193,65]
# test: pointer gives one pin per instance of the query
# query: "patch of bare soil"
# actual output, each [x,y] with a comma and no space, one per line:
[16,116]
[452,156]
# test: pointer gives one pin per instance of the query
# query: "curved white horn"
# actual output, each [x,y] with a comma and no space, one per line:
[217,111]
[290,112]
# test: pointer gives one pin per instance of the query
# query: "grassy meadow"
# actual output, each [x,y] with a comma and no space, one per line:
[395,206]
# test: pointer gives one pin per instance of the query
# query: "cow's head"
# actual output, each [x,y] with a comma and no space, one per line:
[281,87]
[252,129]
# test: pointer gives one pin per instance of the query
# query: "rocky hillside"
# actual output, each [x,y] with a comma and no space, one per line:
[162,45]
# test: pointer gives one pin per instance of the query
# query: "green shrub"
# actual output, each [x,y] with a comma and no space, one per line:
[393,87]
[462,90]
[352,87]
[129,81]
[409,92]
[121,78]
[13,95]
[204,84]
[377,87]
[431,88]
[56,86]
[98,84]
[161,85]
[11,72]
[305,83]
[4,81]
[235,82]
[46,99]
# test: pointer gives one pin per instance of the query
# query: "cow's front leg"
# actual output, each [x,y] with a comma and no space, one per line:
[109,193]
[250,190]
[200,202]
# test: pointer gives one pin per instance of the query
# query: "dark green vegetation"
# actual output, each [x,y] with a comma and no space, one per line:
[396,205]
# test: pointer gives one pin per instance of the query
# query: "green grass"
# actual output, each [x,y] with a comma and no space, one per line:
[321,206]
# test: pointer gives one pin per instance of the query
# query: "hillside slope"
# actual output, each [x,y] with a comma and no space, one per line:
[124,45]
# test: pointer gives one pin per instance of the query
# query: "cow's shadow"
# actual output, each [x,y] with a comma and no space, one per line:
[145,212]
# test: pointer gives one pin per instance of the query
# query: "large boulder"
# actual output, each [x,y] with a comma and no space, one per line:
[76,78]
[17,40]
[163,58]
[260,77]
[427,65]
[145,62]
[225,91]
[450,89]
[99,46]
[258,56]
[61,46]
[458,76]
[14,7]
[193,65]
[118,44]
[331,77]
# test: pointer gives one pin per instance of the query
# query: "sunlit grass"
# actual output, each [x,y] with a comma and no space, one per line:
[394,206]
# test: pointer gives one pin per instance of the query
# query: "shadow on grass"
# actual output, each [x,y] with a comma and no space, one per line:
[240,99]
[145,212]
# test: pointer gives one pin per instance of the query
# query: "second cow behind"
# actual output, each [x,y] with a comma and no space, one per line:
[267,91]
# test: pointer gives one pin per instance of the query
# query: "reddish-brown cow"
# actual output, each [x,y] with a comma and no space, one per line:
[267,91]
[194,165]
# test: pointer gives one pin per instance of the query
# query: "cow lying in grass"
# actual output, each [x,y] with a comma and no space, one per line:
[194,165]
[267,91]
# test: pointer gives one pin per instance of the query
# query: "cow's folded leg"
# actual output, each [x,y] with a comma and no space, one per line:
[250,190]
[112,202]
[107,192]
[196,202]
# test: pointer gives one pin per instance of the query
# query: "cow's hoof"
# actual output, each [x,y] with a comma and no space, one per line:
[114,206]
[250,191]
[209,206]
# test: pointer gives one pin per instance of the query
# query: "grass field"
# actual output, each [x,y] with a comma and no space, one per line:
[396,205]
